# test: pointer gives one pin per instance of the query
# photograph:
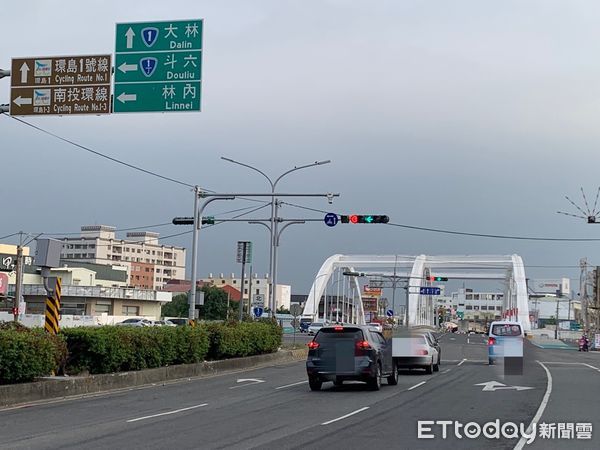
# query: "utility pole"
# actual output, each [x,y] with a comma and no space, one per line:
[18,278]
[583,280]
[597,297]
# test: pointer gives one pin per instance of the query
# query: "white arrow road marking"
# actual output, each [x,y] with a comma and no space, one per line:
[127,97]
[346,416]
[491,386]
[24,69]
[129,34]
[167,413]
[22,101]
[248,381]
[127,67]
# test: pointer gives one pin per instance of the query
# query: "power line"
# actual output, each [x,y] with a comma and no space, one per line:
[102,155]
[10,235]
[464,233]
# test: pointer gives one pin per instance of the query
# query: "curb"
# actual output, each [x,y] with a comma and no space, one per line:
[62,387]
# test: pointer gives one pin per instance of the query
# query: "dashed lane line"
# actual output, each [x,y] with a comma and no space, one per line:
[416,385]
[346,415]
[166,413]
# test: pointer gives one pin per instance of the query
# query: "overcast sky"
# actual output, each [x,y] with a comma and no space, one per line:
[473,116]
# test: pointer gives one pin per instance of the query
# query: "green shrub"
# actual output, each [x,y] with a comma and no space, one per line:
[234,340]
[114,349]
[26,354]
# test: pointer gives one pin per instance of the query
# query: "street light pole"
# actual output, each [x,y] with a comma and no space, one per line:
[272,245]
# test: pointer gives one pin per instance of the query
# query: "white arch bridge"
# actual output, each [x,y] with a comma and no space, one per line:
[336,294]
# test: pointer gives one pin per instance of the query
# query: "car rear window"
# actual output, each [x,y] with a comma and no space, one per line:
[506,330]
[331,334]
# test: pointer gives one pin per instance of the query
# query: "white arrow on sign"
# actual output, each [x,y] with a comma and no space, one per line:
[248,381]
[127,67]
[129,34]
[491,386]
[22,101]
[24,70]
[127,97]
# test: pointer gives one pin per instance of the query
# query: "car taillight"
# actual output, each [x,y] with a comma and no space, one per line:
[423,352]
[313,345]
[491,341]
[363,345]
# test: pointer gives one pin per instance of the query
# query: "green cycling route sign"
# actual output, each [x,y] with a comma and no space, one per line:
[158,66]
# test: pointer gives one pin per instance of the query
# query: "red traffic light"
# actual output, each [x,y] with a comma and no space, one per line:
[354,218]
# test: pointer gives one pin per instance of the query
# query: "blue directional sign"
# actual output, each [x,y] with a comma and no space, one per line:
[429,290]
[331,219]
[389,313]
[258,312]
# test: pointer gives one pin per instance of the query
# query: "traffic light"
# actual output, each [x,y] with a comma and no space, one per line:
[183,221]
[432,278]
[368,218]
[210,220]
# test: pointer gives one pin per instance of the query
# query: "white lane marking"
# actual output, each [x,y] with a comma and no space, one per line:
[541,408]
[460,363]
[346,416]
[560,362]
[468,341]
[167,413]
[416,385]
[591,367]
[572,364]
[293,384]
[447,370]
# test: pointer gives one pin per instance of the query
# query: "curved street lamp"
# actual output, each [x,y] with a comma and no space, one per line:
[273,243]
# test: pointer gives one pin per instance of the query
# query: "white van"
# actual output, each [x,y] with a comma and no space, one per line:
[505,343]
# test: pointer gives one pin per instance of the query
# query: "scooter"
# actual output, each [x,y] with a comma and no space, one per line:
[584,345]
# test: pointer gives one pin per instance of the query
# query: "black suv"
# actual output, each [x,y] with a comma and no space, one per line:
[350,352]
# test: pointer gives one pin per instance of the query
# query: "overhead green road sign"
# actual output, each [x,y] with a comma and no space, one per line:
[158,66]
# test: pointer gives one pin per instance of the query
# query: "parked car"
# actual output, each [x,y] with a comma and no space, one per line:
[179,321]
[412,351]
[164,323]
[349,352]
[136,323]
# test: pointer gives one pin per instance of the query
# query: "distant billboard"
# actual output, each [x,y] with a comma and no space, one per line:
[550,286]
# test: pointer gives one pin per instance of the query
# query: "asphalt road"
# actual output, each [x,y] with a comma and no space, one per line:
[273,408]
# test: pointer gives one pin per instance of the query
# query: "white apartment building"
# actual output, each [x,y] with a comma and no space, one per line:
[253,285]
[150,264]
[473,305]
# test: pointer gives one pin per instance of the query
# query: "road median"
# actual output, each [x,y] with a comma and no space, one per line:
[60,387]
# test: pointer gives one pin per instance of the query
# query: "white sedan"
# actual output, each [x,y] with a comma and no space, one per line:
[314,327]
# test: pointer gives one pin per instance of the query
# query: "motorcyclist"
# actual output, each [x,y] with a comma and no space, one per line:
[584,343]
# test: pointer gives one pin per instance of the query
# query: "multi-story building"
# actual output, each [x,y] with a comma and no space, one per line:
[150,264]
[253,285]
[469,305]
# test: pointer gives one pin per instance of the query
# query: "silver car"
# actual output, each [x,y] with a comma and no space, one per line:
[136,323]
[314,327]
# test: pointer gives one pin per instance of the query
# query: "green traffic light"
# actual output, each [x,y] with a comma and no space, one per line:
[368,219]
